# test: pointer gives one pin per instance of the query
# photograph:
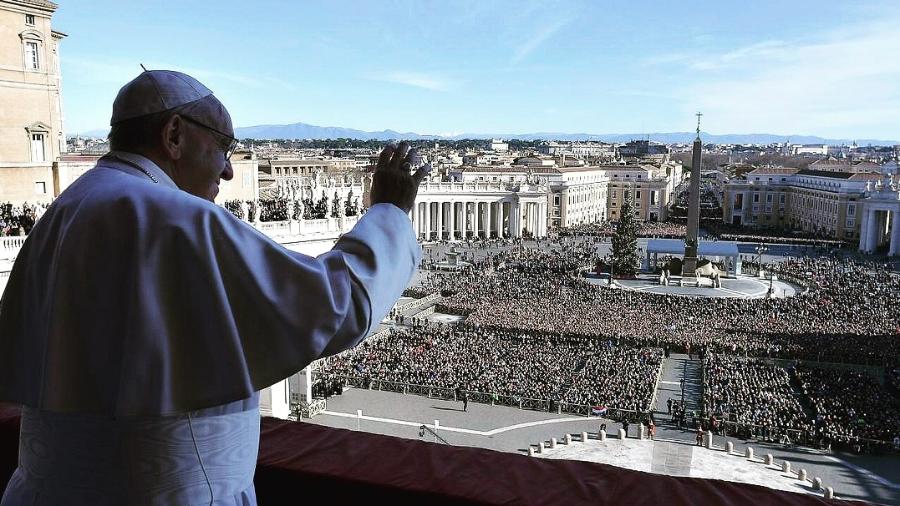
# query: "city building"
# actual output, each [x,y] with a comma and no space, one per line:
[499,146]
[578,195]
[651,187]
[31,120]
[578,149]
[812,201]
[467,209]
[245,183]
[832,164]
[287,168]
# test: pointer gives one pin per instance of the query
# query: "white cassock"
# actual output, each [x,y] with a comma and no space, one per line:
[139,322]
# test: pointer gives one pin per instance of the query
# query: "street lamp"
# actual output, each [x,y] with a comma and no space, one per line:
[760,249]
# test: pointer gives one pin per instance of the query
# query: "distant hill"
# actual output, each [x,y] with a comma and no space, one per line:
[307,131]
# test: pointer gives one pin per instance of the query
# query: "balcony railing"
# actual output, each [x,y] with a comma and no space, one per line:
[298,460]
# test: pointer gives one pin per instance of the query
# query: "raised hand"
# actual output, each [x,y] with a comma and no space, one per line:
[393,183]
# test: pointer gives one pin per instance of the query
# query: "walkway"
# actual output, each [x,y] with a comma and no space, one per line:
[674,369]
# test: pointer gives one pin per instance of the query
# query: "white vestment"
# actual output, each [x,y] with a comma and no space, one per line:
[137,315]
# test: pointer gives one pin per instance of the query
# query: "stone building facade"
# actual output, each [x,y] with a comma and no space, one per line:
[827,203]
[31,120]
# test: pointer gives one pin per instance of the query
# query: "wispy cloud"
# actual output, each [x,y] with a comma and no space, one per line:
[770,50]
[839,83]
[416,79]
[122,72]
[535,40]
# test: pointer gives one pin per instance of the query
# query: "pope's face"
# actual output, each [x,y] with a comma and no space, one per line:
[204,165]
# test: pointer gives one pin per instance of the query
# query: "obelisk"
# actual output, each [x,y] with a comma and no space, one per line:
[693,220]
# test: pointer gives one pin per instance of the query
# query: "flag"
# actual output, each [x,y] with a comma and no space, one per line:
[598,410]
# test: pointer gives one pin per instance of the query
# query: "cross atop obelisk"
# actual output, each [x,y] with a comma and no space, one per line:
[693,221]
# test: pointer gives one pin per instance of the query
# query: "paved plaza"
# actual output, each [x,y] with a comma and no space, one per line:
[501,428]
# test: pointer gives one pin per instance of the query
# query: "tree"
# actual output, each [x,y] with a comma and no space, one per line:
[624,242]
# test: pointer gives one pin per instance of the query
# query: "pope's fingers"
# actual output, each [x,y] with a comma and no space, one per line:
[399,155]
[385,157]
[422,173]
[414,158]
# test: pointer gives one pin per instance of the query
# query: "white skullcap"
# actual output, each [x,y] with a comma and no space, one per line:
[156,91]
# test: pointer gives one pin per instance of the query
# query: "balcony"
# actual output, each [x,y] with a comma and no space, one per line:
[299,461]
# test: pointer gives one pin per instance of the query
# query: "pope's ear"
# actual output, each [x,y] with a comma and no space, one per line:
[172,137]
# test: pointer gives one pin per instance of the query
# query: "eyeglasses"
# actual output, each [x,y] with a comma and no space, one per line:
[228,143]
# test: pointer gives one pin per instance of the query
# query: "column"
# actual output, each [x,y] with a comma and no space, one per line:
[415,222]
[440,220]
[894,248]
[427,221]
[864,231]
[479,226]
[873,232]
[526,216]
[488,224]
[308,372]
[542,216]
[520,216]
[499,223]
[452,219]
[467,218]
[532,218]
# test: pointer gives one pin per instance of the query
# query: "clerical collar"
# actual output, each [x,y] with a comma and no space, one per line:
[145,165]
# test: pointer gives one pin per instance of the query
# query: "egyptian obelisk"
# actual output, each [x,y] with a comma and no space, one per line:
[693,220]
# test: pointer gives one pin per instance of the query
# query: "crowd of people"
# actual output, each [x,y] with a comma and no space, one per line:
[511,364]
[848,314]
[845,312]
[849,405]
[18,220]
[655,229]
[726,232]
[752,394]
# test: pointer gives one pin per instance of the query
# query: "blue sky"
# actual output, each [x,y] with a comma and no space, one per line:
[784,67]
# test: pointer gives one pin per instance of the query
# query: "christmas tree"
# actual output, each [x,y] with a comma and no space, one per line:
[625,259]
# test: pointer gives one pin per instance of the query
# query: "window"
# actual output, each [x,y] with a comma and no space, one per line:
[556,200]
[637,194]
[851,210]
[781,199]
[37,148]
[769,198]
[40,188]
[29,19]
[755,198]
[32,58]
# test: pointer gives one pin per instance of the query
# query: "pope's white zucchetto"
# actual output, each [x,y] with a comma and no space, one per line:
[156,91]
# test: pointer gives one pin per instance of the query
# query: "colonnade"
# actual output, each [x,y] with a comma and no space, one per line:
[436,219]
[880,226]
